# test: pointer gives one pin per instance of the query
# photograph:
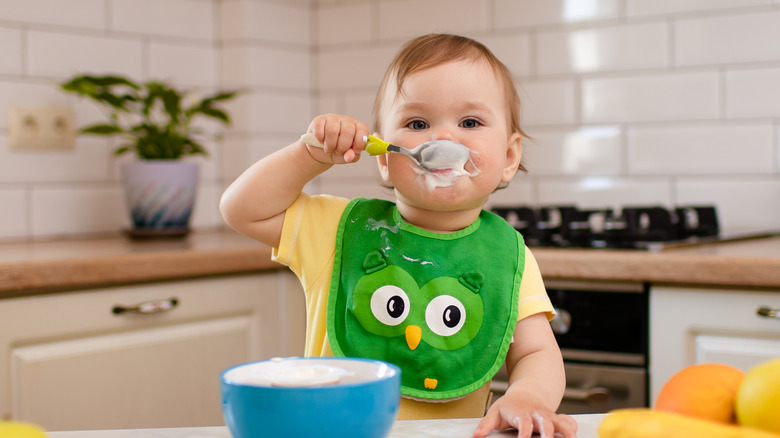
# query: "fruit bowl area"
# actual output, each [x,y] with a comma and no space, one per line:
[706,401]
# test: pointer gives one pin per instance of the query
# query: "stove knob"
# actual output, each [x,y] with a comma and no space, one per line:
[561,323]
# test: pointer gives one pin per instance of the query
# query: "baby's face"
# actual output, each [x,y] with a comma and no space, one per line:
[459,101]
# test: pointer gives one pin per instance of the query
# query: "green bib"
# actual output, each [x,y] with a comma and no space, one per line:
[442,307]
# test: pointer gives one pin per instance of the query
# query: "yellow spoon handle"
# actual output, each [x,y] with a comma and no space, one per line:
[374,145]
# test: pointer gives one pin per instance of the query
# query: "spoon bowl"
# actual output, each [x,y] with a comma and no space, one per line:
[431,155]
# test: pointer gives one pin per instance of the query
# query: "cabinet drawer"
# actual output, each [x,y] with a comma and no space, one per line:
[33,318]
[690,325]
[71,361]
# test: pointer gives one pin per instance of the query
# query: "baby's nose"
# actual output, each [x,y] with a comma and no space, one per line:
[442,134]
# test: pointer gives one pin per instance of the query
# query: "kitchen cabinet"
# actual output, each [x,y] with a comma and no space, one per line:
[69,361]
[697,325]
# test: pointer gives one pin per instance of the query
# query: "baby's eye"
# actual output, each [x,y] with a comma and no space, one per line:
[470,123]
[417,125]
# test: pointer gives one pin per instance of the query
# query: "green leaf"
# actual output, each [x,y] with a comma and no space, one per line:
[215,113]
[108,81]
[111,99]
[122,150]
[220,96]
[197,148]
[101,129]
[171,101]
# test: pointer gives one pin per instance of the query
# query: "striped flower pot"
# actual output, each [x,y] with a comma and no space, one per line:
[160,196]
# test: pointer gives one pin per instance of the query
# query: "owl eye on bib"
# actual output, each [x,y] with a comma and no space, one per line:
[445,313]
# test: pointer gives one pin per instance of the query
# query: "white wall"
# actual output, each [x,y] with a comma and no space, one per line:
[627,101]
[42,42]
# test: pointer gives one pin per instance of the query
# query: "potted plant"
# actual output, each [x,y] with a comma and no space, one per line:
[154,120]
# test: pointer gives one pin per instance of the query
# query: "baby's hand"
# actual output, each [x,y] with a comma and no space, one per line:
[526,419]
[342,138]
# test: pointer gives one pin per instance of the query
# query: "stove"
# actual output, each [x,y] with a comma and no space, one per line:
[640,227]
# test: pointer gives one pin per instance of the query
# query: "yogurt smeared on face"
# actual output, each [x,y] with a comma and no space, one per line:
[445,161]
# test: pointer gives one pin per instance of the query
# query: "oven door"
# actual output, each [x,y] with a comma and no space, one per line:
[602,329]
[592,389]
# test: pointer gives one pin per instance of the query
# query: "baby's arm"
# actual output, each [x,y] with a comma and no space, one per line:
[255,203]
[536,384]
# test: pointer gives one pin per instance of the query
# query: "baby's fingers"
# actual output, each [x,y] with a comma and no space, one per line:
[340,137]
[565,425]
[489,423]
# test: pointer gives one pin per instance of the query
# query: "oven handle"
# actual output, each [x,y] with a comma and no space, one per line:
[591,395]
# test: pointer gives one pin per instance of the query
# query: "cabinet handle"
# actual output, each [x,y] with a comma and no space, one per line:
[767,312]
[147,307]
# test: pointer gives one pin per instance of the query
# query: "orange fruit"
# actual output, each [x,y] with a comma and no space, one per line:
[758,398]
[706,391]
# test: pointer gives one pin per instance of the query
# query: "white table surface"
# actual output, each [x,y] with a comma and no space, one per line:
[461,428]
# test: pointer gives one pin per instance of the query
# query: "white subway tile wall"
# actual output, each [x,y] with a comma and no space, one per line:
[628,102]
[48,194]
[345,24]
[666,102]
[200,59]
[624,47]
[11,48]
[173,18]
[58,55]
[89,14]
[14,221]
[404,19]
[244,22]
[753,93]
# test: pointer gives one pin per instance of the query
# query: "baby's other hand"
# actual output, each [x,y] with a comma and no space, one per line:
[526,419]
[342,137]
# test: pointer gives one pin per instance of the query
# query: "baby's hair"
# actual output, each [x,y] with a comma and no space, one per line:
[431,50]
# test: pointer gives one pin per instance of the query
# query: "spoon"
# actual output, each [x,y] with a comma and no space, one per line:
[430,156]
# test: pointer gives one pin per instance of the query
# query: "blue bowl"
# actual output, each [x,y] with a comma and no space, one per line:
[308,397]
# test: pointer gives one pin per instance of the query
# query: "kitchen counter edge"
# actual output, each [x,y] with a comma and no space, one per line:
[34,268]
[46,267]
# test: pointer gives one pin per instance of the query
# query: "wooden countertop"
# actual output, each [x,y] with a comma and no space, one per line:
[43,267]
[741,263]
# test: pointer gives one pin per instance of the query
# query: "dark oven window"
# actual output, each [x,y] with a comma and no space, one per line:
[607,321]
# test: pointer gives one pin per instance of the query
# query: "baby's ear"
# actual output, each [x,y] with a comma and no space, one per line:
[514,153]
[381,162]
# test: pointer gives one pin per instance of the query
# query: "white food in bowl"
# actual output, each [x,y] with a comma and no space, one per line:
[296,372]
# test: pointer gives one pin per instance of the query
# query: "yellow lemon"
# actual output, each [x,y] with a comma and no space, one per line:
[18,429]
[758,397]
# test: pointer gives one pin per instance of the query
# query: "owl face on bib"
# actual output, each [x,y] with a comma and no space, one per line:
[445,314]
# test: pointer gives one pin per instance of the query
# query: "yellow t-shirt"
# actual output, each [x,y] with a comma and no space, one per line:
[307,247]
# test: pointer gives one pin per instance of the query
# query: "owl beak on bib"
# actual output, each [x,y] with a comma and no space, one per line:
[413,336]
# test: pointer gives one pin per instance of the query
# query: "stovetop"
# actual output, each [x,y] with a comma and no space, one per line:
[636,227]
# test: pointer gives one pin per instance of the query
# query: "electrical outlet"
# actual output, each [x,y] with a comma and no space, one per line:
[41,128]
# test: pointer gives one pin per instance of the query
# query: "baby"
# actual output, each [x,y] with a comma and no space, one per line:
[430,282]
